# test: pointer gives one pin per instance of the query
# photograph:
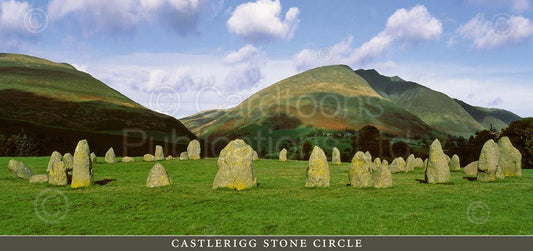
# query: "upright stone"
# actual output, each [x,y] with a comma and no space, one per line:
[382,177]
[376,165]
[69,161]
[235,167]
[148,157]
[419,163]
[93,158]
[184,156]
[454,163]
[55,157]
[82,171]
[437,170]
[158,177]
[283,155]
[19,170]
[410,164]
[335,156]
[425,165]
[193,150]
[110,156]
[169,157]
[255,156]
[471,169]
[360,174]
[488,169]
[159,155]
[318,169]
[368,156]
[510,160]
[58,174]
[397,165]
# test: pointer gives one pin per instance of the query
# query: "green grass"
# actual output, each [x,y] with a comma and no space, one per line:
[280,205]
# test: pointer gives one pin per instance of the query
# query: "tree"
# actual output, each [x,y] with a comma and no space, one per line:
[520,133]
[369,140]
[306,149]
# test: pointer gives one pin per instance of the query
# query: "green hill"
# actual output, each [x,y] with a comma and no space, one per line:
[434,108]
[56,105]
[199,120]
[490,117]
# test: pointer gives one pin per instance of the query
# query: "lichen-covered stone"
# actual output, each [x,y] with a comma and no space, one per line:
[158,177]
[397,165]
[93,158]
[410,163]
[159,155]
[419,163]
[255,156]
[68,160]
[437,170]
[148,157]
[368,156]
[471,169]
[235,167]
[82,171]
[382,177]
[19,170]
[127,159]
[488,169]
[193,150]
[283,155]
[39,178]
[360,174]
[55,157]
[169,157]
[425,165]
[335,156]
[454,163]
[58,174]
[318,169]
[377,164]
[510,160]
[110,156]
[184,156]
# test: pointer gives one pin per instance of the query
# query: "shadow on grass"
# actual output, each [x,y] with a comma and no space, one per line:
[104,182]
[473,178]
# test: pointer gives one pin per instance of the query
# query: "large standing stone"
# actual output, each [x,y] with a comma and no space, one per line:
[283,155]
[148,157]
[454,163]
[193,150]
[335,156]
[318,169]
[419,163]
[235,167]
[410,163]
[488,169]
[55,157]
[58,174]
[93,158]
[158,177]
[110,156]
[39,178]
[382,177]
[159,155]
[397,165]
[82,172]
[437,170]
[127,159]
[368,156]
[471,169]
[68,160]
[510,160]
[184,156]
[19,170]
[360,173]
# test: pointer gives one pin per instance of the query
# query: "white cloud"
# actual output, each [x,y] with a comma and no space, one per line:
[245,67]
[406,27]
[262,20]
[515,5]
[13,31]
[502,30]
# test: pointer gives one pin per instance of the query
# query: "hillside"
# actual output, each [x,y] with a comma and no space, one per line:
[434,108]
[56,105]
[199,120]
[490,117]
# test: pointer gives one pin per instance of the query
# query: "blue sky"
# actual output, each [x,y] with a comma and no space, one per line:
[183,56]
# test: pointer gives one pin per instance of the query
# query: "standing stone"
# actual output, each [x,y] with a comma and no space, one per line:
[454,163]
[55,157]
[318,169]
[58,174]
[471,169]
[184,156]
[110,156]
[419,163]
[425,165]
[127,159]
[448,159]
[437,170]
[235,167]
[193,150]
[382,177]
[69,161]
[19,170]
[376,165]
[510,160]
[335,156]
[368,156]
[360,174]
[159,155]
[39,178]
[397,165]
[169,157]
[93,158]
[148,157]
[410,164]
[283,155]
[488,169]
[158,177]
[255,156]
[82,171]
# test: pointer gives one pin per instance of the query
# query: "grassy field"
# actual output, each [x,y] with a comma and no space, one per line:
[279,206]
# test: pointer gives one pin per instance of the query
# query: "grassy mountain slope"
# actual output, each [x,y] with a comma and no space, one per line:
[199,120]
[434,108]
[490,117]
[38,95]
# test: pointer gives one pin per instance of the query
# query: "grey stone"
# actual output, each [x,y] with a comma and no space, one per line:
[335,156]
[82,172]
[68,160]
[58,174]
[510,160]
[55,157]
[158,177]
[39,178]
[159,155]
[437,170]
[318,169]
[193,150]
[19,170]
[235,167]
[110,156]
